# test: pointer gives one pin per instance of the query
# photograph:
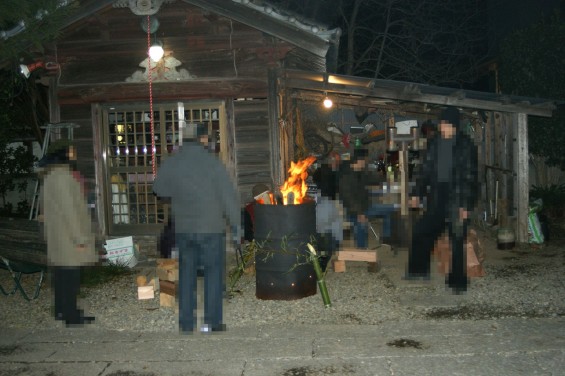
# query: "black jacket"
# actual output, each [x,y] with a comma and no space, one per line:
[463,183]
[353,191]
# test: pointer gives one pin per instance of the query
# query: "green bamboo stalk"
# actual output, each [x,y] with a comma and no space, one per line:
[320,276]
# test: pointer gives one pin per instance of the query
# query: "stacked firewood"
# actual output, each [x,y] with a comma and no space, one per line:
[168,275]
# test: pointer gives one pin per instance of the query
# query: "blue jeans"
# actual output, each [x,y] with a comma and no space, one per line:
[206,251]
[385,211]
[360,232]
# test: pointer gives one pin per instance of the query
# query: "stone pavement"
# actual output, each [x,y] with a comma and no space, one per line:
[494,347]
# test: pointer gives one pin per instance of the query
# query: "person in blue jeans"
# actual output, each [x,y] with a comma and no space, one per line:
[353,181]
[203,201]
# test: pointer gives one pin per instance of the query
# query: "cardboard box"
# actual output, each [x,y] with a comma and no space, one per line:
[121,251]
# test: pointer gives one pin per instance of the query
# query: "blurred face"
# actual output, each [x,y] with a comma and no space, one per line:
[72,153]
[203,140]
[359,165]
[334,161]
[446,129]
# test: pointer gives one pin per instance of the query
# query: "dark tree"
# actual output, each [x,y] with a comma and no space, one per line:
[428,41]
[532,63]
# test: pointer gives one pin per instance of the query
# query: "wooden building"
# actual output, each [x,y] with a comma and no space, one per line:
[220,62]
[245,70]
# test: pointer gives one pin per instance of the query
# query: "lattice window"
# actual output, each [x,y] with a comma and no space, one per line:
[127,137]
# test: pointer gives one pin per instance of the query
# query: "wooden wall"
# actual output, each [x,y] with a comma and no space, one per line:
[252,146]
[81,115]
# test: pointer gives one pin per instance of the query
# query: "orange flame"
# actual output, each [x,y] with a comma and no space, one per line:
[296,182]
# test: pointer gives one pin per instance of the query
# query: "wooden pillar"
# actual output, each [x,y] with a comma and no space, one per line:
[501,164]
[489,161]
[274,131]
[521,188]
[403,167]
[99,167]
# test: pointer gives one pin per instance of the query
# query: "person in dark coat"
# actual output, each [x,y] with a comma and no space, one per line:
[203,201]
[326,176]
[353,181]
[449,180]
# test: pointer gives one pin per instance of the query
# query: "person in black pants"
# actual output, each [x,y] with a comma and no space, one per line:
[449,179]
[67,229]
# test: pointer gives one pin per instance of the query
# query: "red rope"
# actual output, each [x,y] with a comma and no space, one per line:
[153,149]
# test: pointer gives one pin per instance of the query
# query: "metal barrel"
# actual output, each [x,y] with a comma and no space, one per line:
[282,233]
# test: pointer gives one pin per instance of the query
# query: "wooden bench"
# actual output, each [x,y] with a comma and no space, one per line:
[22,252]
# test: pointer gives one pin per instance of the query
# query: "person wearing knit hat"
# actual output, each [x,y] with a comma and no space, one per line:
[68,230]
[449,181]
[354,178]
[450,115]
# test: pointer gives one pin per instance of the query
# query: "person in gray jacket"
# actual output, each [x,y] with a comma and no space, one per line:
[203,197]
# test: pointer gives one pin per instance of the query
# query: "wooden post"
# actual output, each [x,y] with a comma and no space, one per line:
[403,166]
[521,196]
[277,165]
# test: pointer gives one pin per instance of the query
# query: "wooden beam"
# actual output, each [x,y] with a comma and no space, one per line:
[408,93]
[521,157]
[164,91]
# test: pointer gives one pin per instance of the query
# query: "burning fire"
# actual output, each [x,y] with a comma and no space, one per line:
[296,182]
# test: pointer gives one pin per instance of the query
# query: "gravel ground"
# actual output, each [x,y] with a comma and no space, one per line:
[525,282]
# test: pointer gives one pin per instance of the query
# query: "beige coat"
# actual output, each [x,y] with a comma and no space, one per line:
[67,223]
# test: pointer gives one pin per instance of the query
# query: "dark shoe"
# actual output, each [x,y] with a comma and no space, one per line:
[80,321]
[458,285]
[458,290]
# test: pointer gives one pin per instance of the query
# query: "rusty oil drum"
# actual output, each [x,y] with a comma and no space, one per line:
[282,232]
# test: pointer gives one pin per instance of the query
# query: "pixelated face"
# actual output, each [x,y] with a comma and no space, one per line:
[359,164]
[446,129]
[204,140]
[72,153]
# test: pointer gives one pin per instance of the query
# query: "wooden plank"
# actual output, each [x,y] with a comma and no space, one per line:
[352,254]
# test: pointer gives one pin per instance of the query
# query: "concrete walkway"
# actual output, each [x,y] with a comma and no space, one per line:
[497,347]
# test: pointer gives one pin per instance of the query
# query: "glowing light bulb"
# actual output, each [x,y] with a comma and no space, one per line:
[156,52]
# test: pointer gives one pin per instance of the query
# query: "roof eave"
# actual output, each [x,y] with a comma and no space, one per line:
[316,42]
[414,92]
